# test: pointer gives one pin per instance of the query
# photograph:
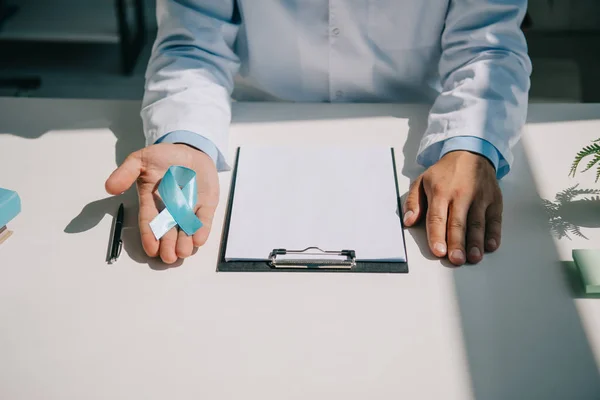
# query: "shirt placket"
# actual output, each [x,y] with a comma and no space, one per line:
[335,94]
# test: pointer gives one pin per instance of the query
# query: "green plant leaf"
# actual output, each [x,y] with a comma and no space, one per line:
[592,163]
[598,174]
[592,149]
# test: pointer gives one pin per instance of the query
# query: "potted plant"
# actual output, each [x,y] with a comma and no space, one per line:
[588,260]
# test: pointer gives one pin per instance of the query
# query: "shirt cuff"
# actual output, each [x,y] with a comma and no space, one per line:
[193,139]
[479,146]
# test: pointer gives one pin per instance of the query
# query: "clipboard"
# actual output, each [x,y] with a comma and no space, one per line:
[310,259]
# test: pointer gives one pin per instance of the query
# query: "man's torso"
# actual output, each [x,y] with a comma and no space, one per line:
[340,50]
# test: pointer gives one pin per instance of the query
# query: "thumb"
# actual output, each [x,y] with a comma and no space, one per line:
[123,177]
[414,206]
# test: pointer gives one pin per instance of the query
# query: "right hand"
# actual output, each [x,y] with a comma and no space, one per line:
[147,167]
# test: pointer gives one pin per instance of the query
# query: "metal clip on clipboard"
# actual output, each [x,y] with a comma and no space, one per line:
[329,259]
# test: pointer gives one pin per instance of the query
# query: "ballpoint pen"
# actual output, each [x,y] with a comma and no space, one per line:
[117,243]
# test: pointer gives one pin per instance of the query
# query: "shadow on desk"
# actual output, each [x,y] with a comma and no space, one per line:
[122,119]
[523,336]
[522,333]
[75,116]
[572,209]
[92,213]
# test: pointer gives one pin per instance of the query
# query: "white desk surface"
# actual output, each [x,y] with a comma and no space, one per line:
[72,327]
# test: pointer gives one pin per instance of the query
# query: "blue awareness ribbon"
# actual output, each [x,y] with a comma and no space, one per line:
[179,193]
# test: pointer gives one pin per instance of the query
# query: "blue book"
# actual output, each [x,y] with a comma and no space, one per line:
[10,206]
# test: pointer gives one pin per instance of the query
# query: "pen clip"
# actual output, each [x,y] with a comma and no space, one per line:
[119,248]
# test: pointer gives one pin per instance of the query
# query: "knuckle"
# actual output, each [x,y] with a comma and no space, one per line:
[494,195]
[410,204]
[499,200]
[414,184]
[460,192]
[435,219]
[484,195]
[495,220]
[457,224]
[412,195]
[438,189]
[494,217]
[134,157]
[484,198]
[476,224]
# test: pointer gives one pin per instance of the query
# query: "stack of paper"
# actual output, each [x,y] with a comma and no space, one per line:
[4,234]
[332,198]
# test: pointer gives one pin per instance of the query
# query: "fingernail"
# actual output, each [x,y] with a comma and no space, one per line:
[440,248]
[492,243]
[407,216]
[458,256]
[475,252]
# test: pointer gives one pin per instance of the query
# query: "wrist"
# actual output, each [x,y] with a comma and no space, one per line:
[475,146]
[193,151]
[476,160]
[471,155]
[193,140]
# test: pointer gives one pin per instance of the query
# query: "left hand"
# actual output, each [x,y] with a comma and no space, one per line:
[463,205]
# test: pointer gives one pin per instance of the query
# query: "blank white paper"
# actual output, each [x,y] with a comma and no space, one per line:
[331,198]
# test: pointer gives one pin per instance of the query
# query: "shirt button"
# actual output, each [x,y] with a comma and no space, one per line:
[336,31]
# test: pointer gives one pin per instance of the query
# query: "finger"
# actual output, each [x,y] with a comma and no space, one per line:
[184,245]
[205,213]
[457,222]
[493,226]
[437,215]
[123,177]
[147,213]
[415,204]
[475,233]
[167,246]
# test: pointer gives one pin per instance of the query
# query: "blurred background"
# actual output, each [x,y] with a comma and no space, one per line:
[100,48]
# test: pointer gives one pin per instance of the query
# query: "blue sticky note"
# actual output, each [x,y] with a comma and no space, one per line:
[10,206]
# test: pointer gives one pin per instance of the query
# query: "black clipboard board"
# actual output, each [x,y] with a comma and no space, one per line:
[347,264]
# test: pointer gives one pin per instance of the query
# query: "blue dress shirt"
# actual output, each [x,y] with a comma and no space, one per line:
[468,58]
